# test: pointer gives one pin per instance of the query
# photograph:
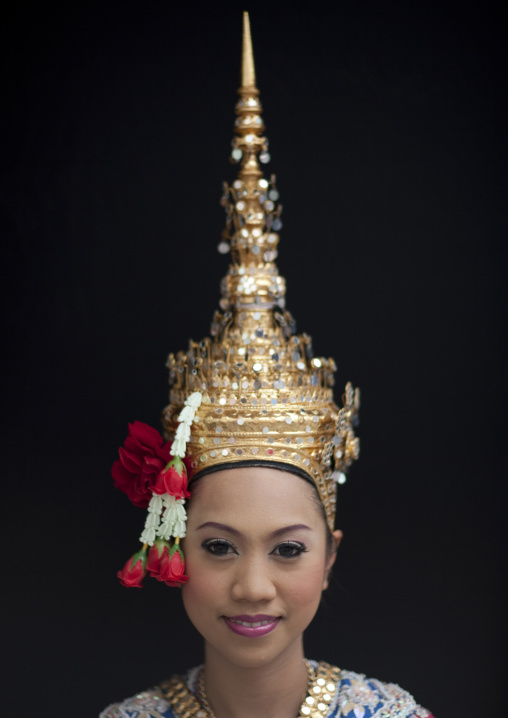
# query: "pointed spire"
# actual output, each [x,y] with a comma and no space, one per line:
[252,213]
[248,76]
[249,124]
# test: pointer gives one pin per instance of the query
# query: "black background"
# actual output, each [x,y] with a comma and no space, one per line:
[387,127]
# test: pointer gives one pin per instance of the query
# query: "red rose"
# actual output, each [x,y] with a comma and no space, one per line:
[134,570]
[155,556]
[173,568]
[172,480]
[143,456]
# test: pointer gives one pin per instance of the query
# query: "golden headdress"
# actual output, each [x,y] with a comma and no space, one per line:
[266,400]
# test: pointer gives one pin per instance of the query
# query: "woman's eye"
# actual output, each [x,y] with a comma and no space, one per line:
[218,547]
[289,549]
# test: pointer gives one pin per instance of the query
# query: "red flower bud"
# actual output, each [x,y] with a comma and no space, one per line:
[134,570]
[173,567]
[172,480]
[157,553]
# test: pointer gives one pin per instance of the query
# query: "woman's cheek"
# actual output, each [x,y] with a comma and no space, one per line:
[200,581]
[205,581]
[305,587]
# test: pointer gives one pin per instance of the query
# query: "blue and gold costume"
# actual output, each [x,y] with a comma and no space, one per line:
[354,696]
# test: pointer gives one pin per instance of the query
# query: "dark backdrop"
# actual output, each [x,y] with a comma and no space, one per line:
[388,137]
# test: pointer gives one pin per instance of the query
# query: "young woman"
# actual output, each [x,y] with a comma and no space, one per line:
[241,497]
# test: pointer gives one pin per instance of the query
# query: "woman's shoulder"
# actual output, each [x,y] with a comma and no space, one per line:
[148,704]
[361,697]
[155,702]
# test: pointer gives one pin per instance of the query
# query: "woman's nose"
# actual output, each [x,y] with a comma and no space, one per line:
[253,581]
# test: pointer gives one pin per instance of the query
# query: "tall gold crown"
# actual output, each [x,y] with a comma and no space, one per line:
[266,399]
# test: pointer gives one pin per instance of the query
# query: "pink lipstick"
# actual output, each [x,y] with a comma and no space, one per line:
[251,626]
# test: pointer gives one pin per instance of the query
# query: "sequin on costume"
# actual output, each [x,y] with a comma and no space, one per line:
[355,697]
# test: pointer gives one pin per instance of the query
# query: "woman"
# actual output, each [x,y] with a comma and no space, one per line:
[258,446]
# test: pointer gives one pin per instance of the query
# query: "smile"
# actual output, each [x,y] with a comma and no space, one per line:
[251,626]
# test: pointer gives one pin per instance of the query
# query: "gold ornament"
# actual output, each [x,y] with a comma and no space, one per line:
[321,689]
[266,398]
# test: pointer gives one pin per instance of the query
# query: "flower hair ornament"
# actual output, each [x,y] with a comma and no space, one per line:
[153,480]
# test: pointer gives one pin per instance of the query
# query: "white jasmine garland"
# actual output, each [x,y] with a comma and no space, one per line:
[165,530]
[147,535]
[179,447]
[194,400]
[156,504]
[152,520]
[179,529]
[186,417]
[174,513]
[187,414]
[166,516]
[183,432]
[181,514]
[169,508]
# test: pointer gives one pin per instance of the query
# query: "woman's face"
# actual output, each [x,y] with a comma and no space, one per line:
[257,563]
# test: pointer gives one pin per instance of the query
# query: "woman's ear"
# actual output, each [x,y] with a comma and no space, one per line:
[330,559]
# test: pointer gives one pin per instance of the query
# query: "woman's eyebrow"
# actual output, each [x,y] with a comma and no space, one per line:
[222,527]
[273,534]
[287,529]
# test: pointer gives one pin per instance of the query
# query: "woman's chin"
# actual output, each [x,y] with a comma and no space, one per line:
[251,656]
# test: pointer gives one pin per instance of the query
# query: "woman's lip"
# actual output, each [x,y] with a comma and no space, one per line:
[253,619]
[251,628]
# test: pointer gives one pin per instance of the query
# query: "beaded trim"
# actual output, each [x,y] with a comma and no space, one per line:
[320,694]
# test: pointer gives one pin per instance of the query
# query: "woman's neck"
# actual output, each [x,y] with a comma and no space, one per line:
[273,690]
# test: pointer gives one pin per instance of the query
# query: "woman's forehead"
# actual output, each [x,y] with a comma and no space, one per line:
[254,492]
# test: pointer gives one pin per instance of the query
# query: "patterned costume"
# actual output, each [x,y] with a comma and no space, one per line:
[354,696]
